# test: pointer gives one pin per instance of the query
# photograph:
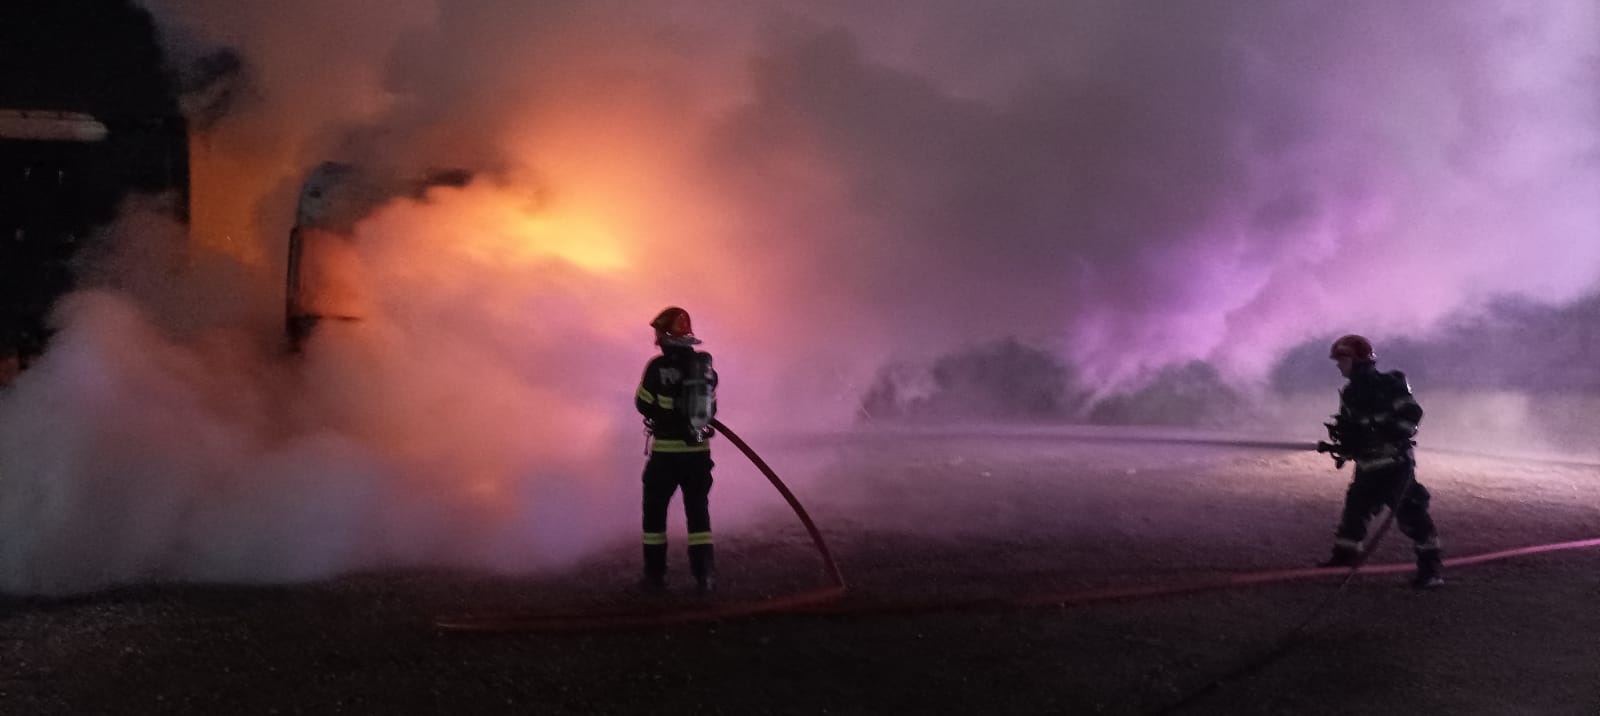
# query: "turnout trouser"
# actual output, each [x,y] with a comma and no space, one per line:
[664,474]
[1380,486]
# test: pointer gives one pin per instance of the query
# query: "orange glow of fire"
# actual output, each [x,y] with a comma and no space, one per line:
[488,490]
[508,232]
[225,184]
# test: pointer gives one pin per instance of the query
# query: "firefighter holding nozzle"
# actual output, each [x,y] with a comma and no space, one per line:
[1377,420]
[678,398]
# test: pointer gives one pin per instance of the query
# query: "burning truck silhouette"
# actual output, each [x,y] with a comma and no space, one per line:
[88,114]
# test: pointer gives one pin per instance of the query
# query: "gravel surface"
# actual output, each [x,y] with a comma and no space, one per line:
[914,521]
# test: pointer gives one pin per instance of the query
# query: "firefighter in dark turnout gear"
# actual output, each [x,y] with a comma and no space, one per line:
[1377,420]
[677,397]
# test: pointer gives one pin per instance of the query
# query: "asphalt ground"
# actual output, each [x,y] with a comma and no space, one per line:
[932,535]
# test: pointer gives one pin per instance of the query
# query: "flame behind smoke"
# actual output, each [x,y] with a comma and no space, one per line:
[822,186]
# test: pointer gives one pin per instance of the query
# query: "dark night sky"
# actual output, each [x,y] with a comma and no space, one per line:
[97,56]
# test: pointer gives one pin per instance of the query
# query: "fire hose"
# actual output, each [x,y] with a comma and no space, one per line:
[1292,638]
[591,620]
[799,510]
[825,600]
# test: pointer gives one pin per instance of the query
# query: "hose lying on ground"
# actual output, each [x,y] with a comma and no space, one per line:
[825,601]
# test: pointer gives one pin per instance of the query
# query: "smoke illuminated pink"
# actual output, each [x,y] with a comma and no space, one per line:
[827,186]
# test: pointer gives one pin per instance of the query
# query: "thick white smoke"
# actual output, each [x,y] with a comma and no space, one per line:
[156,442]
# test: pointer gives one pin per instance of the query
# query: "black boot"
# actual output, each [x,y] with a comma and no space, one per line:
[703,563]
[1343,556]
[1430,569]
[655,568]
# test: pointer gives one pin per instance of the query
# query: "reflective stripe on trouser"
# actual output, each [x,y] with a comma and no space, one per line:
[664,474]
[678,446]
